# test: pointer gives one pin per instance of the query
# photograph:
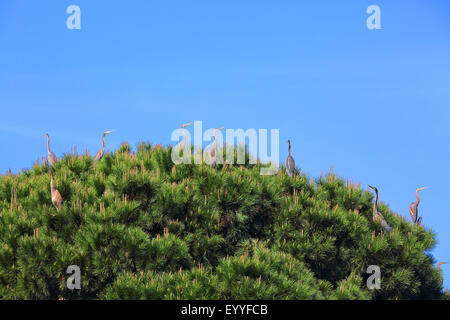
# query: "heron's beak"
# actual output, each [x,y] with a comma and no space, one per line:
[418,189]
[439,265]
[106,132]
[186,124]
[221,128]
[370,186]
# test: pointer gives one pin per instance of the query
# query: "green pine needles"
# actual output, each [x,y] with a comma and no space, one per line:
[140,227]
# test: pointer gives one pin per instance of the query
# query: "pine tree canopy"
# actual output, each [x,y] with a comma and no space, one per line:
[140,227]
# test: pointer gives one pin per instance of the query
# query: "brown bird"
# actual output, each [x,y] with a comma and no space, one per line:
[440,270]
[377,215]
[100,153]
[213,150]
[290,162]
[439,266]
[413,208]
[183,143]
[51,156]
[56,196]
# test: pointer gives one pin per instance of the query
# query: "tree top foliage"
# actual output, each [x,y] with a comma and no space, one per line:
[140,227]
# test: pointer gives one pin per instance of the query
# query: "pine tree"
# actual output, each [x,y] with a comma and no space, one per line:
[141,227]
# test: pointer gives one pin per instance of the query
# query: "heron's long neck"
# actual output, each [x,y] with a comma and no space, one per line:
[52,187]
[289,148]
[103,148]
[184,137]
[417,196]
[375,204]
[48,144]
[215,142]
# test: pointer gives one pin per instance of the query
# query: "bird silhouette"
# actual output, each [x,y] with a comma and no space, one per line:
[377,216]
[212,153]
[100,153]
[413,208]
[56,196]
[290,162]
[51,156]
[439,267]
[183,143]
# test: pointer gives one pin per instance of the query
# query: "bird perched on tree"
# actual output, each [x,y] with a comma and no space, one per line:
[212,153]
[100,153]
[377,215]
[290,162]
[439,266]
[413,208]
[51,156]
[183,143]
[56,196]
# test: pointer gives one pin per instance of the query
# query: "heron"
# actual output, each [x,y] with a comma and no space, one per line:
[51,156]
[213,150]
[100,153]
[183,143]
[413,210]
[439,266]
[290,162]
[56,196]
[377,215]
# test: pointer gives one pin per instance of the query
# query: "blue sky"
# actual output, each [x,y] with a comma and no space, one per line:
[374,104]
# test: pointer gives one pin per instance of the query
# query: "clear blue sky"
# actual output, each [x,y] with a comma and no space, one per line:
[374,104]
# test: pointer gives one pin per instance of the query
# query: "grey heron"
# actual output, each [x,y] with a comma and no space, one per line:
[290,162]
